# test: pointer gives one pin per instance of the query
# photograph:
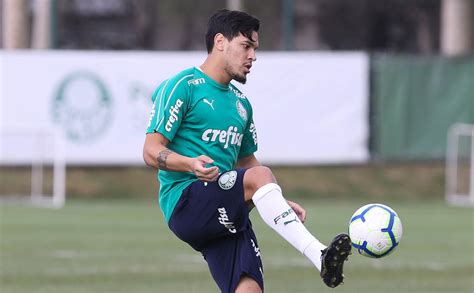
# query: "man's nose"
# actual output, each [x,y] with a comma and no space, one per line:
[253,55]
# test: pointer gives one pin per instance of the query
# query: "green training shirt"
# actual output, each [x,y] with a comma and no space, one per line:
[200,116]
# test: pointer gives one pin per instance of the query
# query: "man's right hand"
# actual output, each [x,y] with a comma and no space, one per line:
[203,173]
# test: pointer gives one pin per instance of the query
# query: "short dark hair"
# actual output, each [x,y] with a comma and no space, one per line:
[230,23]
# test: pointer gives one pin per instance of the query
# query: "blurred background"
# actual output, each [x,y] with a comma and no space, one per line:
[354,101]
[395,26]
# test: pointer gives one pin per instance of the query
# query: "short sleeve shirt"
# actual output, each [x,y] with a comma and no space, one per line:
[200,116]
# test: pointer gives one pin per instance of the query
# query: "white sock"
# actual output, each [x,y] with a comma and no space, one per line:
[276,212]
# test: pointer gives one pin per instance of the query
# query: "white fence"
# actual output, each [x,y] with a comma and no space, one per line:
[45,149]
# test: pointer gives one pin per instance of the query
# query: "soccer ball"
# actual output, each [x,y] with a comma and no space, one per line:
[375,230]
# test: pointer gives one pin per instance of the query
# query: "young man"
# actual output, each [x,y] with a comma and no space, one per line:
[202,138]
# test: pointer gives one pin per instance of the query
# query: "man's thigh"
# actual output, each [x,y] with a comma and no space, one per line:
[235,257]
[210,210]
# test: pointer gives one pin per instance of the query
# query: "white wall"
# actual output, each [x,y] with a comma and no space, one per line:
[309,107]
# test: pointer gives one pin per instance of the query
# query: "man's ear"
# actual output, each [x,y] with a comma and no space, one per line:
[219,41]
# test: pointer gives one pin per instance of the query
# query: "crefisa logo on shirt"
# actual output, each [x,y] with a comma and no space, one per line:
[225,137]
[174,110]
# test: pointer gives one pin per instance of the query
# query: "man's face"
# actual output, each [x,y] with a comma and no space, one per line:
[239,54]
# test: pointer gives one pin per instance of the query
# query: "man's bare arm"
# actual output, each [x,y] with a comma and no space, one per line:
[157,155]
[162,158]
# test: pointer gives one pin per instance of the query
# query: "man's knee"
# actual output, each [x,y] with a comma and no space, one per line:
[255,178]
[258,176]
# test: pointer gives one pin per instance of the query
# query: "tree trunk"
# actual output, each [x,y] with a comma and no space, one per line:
[41,38]
[15,24]
[456,30]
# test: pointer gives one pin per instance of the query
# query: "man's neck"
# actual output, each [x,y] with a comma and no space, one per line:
[214,69]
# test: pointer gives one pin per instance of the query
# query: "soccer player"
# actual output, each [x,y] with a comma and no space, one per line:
[202,138]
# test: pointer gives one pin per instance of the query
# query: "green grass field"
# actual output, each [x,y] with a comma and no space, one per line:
[123,245]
